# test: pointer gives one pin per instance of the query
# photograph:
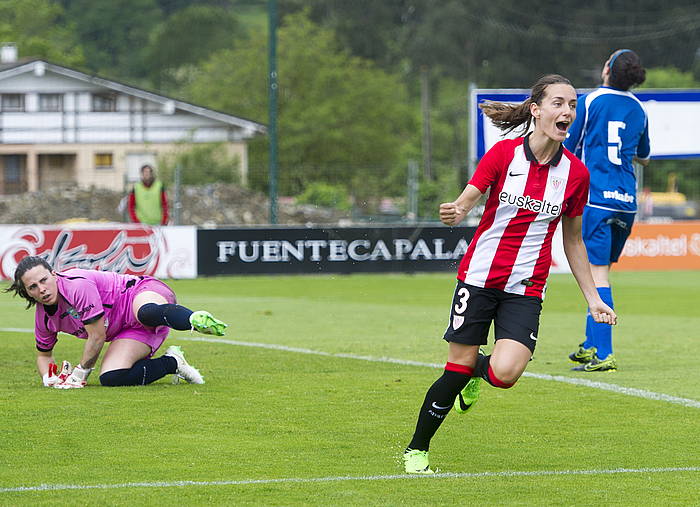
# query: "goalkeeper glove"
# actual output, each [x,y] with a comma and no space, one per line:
[66,370]
[50,378]
[76,380]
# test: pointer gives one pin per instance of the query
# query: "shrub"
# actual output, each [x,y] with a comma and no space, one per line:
[325,195]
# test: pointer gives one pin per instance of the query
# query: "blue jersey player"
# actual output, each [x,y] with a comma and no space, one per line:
[611,132]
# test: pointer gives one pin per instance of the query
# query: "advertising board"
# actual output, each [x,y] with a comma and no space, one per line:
[331,250]
[164,252]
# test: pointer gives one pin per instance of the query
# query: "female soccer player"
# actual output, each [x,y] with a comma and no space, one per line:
[132,313]
[611,132]
[534,182]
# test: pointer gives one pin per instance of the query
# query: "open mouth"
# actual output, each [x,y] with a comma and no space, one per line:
[563,125]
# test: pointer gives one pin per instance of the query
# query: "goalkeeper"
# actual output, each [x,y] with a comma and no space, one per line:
[132,313]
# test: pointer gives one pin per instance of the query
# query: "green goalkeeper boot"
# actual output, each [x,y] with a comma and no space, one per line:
[205,323]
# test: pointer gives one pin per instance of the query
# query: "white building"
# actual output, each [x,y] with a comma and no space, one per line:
[62,126]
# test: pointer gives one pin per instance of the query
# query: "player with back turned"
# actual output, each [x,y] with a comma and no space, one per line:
[611,132]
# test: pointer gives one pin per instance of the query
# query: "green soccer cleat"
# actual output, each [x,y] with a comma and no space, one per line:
[205,323]
[583,355]
[607,364]
[467,398]
[416,462]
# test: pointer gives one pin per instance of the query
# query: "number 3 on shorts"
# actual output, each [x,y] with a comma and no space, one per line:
[462,296]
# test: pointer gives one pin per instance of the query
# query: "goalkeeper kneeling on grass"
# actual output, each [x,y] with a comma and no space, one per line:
[132,313]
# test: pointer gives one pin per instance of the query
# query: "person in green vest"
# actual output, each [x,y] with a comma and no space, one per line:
[148,202]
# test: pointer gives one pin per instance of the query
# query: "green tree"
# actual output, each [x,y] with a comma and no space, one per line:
[35,25]
[200,164]
[185,39]
[449,121]
[341,120]
[500,44]
[669,77]
[325,195]
[115,34]
[170,6]
[369,29]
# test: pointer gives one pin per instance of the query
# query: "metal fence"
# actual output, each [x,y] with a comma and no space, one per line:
[343,194]
[668,190]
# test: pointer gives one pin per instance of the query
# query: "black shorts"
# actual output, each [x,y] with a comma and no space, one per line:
[474,308]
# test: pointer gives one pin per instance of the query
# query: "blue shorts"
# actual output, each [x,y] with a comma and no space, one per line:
[604,233]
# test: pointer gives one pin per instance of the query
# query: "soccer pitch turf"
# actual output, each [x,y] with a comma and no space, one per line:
[313,394]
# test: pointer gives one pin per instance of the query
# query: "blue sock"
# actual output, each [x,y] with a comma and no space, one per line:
[602,333]
[588,342]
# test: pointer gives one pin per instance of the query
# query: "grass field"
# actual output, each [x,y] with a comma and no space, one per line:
[312,396]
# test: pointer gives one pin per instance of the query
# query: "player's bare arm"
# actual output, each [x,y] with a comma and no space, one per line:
[452,213]
[641,161]
[43,360]
[575,251]
[95,341]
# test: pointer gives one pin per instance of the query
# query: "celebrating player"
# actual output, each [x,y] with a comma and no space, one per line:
[133,313]
[610,132]
[534,182]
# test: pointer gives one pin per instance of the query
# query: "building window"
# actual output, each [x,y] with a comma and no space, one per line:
[104,102]
[12,175]
[104,161]
[13,169]
[12,102]
[50,102]
[55,161]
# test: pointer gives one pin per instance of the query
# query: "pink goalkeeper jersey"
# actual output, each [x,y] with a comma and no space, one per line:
[85,296]
[512,247]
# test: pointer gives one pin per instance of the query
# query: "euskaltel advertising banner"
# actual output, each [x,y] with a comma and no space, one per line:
[163,252]
[331,250]
[650,246]
[667,246]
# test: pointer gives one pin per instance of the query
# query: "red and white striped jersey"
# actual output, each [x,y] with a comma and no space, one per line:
[512,247]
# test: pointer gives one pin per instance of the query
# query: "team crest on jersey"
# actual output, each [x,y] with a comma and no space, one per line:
[73,313]
[556,183]
[457,321]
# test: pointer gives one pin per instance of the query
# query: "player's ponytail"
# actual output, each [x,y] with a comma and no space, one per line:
[25,265]
[626,70]
[508,117]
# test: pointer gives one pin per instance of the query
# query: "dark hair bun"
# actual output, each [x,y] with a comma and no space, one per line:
[627,70]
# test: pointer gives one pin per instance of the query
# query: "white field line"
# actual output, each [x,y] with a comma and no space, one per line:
[301,480]
[16,330]
[540,473]
[640,393]
[629,391]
